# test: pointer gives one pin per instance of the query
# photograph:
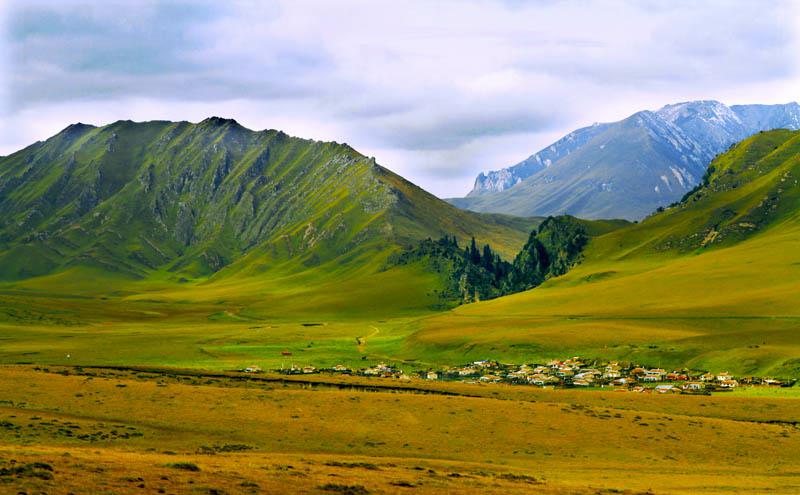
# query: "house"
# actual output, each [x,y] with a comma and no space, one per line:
[309,369]
[581,383]
[677,376]
[432,375]
[541,380]
[728,384]
[693,386]
[252,369]
[708,377]
[666,389]
[724,376]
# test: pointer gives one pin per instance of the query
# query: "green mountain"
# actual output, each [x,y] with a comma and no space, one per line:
[191,201]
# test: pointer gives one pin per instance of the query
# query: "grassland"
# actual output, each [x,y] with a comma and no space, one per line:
[733,308]
[112,431]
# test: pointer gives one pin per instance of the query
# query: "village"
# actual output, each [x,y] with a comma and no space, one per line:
[568,373]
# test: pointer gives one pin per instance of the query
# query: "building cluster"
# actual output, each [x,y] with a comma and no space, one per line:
[379,370]
[572,372]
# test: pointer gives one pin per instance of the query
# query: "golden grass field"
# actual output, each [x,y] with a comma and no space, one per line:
[124,431]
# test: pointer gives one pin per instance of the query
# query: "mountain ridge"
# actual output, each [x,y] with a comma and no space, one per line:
[189,199]
[665,155]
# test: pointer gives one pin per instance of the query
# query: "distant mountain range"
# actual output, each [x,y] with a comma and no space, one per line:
[625,169]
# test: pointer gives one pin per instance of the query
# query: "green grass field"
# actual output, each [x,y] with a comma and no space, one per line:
[733,308]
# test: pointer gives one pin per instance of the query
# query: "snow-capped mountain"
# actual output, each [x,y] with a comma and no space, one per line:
[625,169]
[498,180]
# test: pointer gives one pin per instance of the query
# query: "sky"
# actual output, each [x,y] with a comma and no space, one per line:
[436,90]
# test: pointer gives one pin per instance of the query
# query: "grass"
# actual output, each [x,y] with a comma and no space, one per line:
[731,309]
[385,441]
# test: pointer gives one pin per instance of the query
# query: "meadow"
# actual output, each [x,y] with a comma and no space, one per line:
[731,309]
[120,431]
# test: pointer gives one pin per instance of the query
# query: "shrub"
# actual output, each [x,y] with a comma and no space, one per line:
[345,489]
[186,466]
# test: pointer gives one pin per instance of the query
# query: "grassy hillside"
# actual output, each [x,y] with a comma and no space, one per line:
[190,199]
[710,283]
[213,211]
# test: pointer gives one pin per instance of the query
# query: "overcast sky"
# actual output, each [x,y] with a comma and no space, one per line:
[435,90]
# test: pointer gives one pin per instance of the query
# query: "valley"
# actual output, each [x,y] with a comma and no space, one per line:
[459,247]
[129,374]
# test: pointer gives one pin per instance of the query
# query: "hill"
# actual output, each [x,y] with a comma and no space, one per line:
[709,282]
[192,199]
[145,225]
[625,169]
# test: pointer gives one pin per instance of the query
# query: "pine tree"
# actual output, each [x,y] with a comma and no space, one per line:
[474,254]
[487,259]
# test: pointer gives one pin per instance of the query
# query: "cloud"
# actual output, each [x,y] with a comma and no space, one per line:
[437,91]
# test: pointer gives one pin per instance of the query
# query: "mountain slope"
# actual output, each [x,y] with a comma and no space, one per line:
[626,169]
[190,199]
[500,180]
[709,283]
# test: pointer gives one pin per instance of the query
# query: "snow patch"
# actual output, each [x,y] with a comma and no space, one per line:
[678,176]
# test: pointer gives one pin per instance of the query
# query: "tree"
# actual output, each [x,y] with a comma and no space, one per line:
[487,259]
[474,254]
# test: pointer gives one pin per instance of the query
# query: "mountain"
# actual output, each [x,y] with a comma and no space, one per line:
[709,283]
[500,180]
[184,201]
[625,169]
